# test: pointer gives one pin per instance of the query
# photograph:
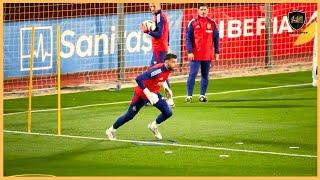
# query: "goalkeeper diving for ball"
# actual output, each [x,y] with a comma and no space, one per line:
[146,91]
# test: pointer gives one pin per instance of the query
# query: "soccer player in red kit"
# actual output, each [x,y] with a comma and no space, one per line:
[146,91]
[202,37]
[159,37]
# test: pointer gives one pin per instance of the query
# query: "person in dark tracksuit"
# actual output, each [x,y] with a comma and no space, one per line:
[202,37]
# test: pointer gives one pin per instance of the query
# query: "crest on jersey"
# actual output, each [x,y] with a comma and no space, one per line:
[208,26]
[296,19]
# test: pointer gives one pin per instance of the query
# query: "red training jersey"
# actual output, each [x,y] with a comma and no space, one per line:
[152,79]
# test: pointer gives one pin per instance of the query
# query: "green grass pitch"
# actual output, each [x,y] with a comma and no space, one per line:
[256,121]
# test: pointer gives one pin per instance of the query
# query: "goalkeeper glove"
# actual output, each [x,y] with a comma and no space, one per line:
[143,28]
[169,94]
[170,102]
[152,97]
[167,90]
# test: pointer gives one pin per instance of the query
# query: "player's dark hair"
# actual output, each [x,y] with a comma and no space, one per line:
[201,5]
[170,56]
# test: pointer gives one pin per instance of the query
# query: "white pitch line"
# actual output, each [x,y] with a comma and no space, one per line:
[67,108]
[254,89]
[175,97]
[168,144]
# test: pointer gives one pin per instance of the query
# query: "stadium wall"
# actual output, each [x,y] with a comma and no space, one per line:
[89,43]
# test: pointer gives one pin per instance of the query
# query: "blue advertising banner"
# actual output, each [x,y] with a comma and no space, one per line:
[87,44]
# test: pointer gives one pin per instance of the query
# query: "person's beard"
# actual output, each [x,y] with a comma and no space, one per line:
[170,68]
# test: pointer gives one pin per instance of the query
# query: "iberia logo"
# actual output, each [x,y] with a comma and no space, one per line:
[309,32]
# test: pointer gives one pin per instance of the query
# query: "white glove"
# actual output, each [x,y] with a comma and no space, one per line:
[169,94]
[170,102]
[152,97]
[167,90]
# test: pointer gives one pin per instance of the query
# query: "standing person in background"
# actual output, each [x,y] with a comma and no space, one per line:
[159,37]
[202,34]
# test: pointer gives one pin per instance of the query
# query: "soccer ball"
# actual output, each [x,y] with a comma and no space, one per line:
[150,25]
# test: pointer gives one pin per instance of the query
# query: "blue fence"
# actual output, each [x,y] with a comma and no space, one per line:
[87,44]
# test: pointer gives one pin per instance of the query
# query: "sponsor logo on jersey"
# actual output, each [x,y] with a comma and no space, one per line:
[156,72]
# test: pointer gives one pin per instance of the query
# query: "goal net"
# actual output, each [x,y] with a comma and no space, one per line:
[101,43]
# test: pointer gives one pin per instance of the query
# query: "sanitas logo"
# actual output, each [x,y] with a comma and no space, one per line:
[43,48]
[89,45]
